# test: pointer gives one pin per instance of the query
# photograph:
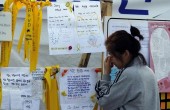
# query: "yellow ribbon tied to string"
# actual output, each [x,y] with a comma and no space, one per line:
[51,88]
[31,31]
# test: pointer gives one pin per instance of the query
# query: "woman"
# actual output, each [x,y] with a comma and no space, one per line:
[135,86]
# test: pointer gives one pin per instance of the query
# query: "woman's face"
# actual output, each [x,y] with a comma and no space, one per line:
[116,61]
[121,60]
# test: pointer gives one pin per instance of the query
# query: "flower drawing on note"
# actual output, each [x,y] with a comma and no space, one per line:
[92,40]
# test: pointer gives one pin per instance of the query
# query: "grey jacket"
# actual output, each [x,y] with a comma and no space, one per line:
[134,88]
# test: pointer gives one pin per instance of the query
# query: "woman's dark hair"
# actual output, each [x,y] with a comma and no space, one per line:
[120,41]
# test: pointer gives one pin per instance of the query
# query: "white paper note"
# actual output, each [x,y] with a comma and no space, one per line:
[77,29]
[5,26]
[79,88]
[37,83]
[16,78]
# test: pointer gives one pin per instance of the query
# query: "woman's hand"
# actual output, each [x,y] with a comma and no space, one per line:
[107,65]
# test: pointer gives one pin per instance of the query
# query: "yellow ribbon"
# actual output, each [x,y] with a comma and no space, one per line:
[51,89]
[78,47]
[21,38]
[36,36]
[34,47]
[17,5]
[69,6]
[7,5]
[31,31]
[28,31]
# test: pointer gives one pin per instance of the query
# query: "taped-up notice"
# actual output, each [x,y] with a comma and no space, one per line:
[37,82]
[18,84]
[78,92]
[75,28]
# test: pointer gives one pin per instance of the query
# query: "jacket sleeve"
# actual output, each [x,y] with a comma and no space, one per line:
[114,95]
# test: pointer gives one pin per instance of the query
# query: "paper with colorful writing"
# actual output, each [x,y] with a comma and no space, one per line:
[88,26]
[5,26]
[75,28]
[77,88]
[160,53]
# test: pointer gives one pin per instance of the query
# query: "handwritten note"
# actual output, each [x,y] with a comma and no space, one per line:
[60,28]
[37,83]
[79,87]
[75,28]
[20,85]
[38,74]
[87,20]
[13,78]
[5,26]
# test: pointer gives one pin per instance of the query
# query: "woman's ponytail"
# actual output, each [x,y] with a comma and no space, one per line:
[136,33]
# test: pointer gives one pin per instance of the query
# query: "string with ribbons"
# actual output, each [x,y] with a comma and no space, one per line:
[31,31]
